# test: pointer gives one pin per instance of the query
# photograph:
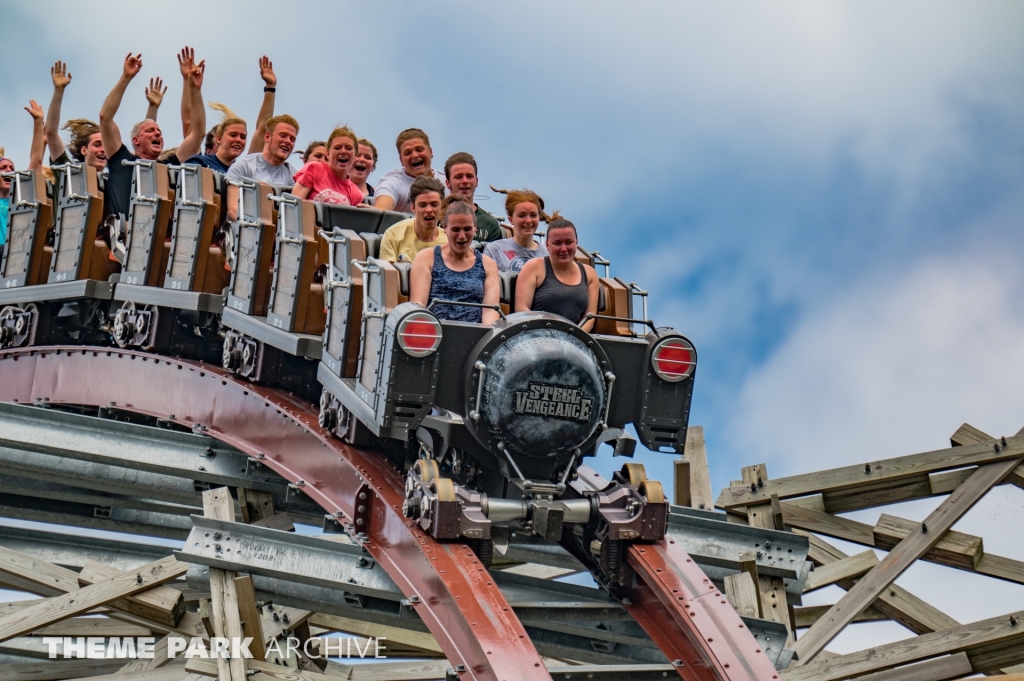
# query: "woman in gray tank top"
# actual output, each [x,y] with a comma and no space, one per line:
[557,283]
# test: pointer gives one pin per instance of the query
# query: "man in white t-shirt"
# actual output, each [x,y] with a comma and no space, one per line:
[392,191]
[269,166]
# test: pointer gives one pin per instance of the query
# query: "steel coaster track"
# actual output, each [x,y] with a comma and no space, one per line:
[461,605]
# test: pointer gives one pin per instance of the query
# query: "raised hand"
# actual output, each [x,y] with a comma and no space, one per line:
[34,110]
[197,74]
[61,76]
[132,65]
[186,61]
[267,71]
[154,93]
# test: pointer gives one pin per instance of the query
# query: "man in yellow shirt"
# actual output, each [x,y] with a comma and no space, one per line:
[403,240]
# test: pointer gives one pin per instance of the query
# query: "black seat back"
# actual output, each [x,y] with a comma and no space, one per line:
[508,288]
[389,218]
[358,220]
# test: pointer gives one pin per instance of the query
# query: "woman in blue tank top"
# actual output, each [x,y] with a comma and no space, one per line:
[557,283]
[456,271]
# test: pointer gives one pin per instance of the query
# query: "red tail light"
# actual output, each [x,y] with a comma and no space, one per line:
[673,359]
[419,334]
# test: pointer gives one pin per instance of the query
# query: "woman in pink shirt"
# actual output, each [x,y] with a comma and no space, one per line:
[326,181]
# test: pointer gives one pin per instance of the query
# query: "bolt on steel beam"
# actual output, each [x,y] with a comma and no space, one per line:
[712,541]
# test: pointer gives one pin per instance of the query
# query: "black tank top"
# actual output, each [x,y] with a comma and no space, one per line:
[561,299]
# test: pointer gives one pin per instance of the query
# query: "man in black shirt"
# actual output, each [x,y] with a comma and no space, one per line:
[147,138]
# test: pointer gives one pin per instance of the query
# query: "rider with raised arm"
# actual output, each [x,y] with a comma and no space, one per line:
[267,108]
[86,143]
[146,136]
[155,96]
[38,146]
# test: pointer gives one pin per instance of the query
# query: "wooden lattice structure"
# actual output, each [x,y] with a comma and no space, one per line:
[812,504]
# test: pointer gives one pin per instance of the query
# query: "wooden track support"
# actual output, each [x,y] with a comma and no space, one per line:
[227,623]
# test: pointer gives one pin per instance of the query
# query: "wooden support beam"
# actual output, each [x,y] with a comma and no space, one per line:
[809,614]
[93,626]
[772,590]
[83,600]
[165,674]
[255,505]
[403,671]
[968,434]
[696,455]
[1016,477]
[160,658]
[901,557]
[1002,568]
[217,504]
[265,671]
[895,602]
[37,571]
[45,578]
[162,604]
[939,669]
[989,644]
[954,549]
[777,519]
[206,614]
[384,671]
[681,489]
[876,476]
[250,615]
[828,524]
[748,565]
[407,638]
[278,618]
[847,568]
[52,670]
[279,521]
[743,595]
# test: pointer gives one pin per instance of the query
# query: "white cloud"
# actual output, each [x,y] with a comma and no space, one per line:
[892,368]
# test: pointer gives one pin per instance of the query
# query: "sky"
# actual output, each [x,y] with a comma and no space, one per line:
[826,197]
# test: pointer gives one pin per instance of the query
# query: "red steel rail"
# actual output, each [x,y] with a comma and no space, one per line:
[670,597]
[689,619]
